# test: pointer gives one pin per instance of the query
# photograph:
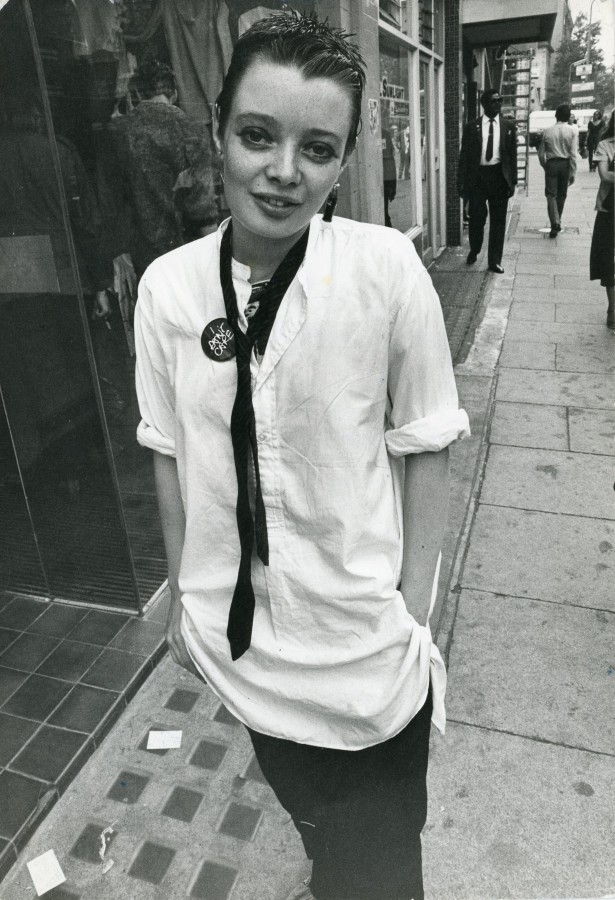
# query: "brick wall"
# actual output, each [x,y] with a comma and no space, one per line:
[452,117]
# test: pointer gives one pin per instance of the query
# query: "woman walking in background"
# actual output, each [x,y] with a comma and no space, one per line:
[296,385]
[595,127]
[602,248]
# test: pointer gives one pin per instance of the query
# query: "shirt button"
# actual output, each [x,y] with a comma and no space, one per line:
[262,437]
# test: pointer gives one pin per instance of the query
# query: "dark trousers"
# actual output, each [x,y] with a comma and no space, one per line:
[557,172]
[491,191]
[359,813]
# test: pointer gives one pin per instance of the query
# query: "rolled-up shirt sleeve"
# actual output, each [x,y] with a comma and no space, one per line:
[154,391]
[424,412]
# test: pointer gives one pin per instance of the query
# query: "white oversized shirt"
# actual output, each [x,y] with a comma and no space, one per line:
[356,374]
[496,141]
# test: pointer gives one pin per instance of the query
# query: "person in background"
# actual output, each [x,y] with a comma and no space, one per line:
[603,244]
[165,167]
[487,175]
[595,127]
[290,369]
[557,154]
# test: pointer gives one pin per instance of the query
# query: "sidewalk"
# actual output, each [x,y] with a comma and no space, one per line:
[521,788]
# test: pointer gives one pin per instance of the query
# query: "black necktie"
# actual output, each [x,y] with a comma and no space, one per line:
[489,151]
[243,431]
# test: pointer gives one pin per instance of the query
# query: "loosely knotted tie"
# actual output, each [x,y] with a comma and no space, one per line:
[489,150]
[243,428]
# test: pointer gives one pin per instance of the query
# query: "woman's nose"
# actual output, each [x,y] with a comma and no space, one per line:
[283,166]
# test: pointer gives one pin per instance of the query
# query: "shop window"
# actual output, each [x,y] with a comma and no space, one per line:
[426,23]
[397,138]
[398,13]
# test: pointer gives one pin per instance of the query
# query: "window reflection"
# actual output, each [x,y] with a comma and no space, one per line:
[399,206]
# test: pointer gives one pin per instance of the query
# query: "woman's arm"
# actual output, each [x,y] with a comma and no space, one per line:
[603,171]
[426,499]
[173,522]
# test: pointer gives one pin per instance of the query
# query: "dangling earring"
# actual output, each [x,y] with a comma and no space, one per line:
[330,203]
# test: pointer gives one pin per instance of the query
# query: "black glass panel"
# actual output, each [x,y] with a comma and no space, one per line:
[52,271]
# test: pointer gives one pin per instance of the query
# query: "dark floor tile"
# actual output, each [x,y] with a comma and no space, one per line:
[240,821]
[224,716]
[139,636]
[14,733]
[214,882]
[9,682]
[58,620]
[7,637]
[61,893]
[98,628]
[152,862]
[128,787]
[182,804]
[8,857]
[48,753]
[28,652]
[84,708]
[18,798]
[208,755]
[21,612]
[113,670]
[88,844]
[181,700]
[37,698]
[254,773]
[70,661]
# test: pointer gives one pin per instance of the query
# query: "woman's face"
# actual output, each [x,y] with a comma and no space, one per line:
[283,148]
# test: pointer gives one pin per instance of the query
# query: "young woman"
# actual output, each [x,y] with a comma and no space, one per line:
[296,386]
[601,253]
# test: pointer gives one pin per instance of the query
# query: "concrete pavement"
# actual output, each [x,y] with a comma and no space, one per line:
[521,788]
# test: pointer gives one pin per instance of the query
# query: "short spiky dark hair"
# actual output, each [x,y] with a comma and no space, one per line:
[294,39]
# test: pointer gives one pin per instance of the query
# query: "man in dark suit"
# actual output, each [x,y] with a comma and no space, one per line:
[487,176]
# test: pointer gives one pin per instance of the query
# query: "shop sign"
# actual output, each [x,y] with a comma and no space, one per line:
[582,86]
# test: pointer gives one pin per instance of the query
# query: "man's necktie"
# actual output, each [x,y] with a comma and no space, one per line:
[489,151]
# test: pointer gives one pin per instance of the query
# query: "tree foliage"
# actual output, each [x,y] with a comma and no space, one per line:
[573,48]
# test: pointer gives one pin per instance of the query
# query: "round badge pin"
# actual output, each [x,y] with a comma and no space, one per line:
[218,340]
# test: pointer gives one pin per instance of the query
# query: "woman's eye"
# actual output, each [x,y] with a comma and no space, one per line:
[254,137]
[320,152]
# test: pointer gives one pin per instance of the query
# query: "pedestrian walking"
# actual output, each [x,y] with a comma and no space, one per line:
[595,127]
[603,236]
[302,532]
[487,175]
[557,154]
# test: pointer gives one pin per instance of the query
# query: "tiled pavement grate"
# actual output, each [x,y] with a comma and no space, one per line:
[214,882]
[89,843]
[128,787]
[224,716]
[240,821]
[208,755]
[182,701]
[570,229]
[182,804]
[152,862]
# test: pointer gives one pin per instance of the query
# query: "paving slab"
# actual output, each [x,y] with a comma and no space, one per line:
[557,332]
[534,281]
[550,295]
[528,425]
[562,559]
[587,356]
[592,431]
[572,281]
[513,817]
[539,263]
[559,669]
[555,388]
[576,484]
[590,312]
[538,311]
[519,355]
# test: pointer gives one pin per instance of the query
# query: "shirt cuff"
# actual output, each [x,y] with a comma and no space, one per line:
[432,433]
[148,436]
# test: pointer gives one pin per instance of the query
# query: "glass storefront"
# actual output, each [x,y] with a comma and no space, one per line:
[397,140]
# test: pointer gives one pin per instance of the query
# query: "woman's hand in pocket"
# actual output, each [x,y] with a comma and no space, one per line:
[177,645]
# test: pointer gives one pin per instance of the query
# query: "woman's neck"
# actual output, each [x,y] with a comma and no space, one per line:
[261,254]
